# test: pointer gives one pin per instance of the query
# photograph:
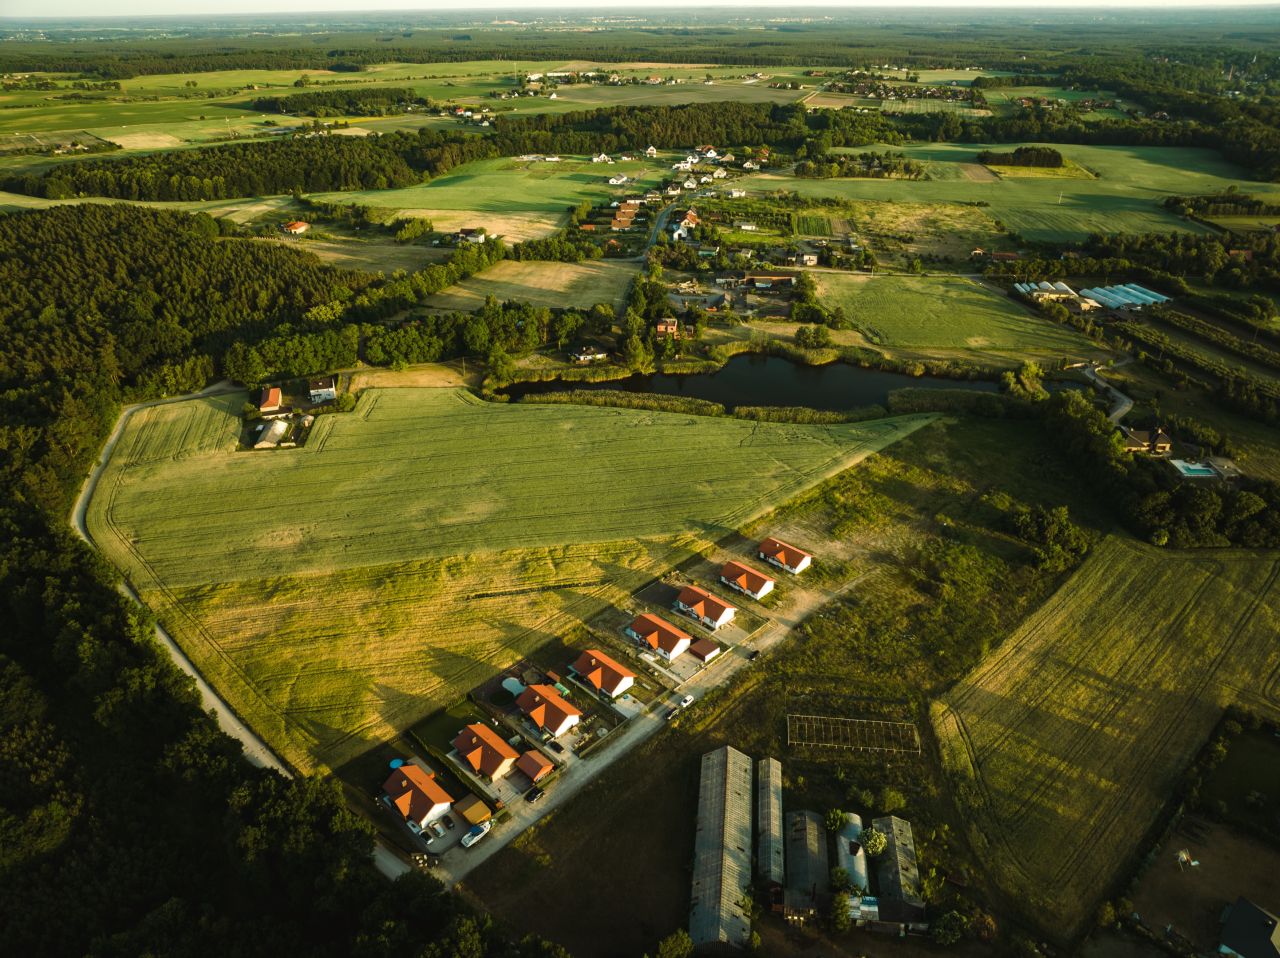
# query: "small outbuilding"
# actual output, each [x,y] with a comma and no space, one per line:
[536,765]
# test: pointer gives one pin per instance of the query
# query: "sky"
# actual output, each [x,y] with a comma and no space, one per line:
[98,8]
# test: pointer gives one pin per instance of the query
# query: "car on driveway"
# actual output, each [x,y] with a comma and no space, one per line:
[556,747]
[435,829]
[671,713]
[449,823]
[533,795]
[755,654]
[686,701]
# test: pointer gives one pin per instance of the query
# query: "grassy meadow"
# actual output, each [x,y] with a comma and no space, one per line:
[1065,744]
[542,283]
[337,592]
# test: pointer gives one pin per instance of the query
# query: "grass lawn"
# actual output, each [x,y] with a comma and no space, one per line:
[337,593]
[1125,197]
[541,283]
[1066,743]
[943,312]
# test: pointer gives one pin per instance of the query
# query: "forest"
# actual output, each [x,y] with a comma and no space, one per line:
[374,101]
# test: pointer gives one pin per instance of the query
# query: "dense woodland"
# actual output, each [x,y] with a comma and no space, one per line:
[370,101]
[1045,156]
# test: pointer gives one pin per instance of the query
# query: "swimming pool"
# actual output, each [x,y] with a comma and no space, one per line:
[1193,470]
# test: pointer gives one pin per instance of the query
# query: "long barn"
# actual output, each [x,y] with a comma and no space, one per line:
[722,850]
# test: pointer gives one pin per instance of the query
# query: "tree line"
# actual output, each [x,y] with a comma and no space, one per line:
[1045,156]
[368,101]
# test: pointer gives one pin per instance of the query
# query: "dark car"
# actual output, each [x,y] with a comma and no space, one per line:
[556,747]
[672,713]
[755,654]
[533,795]
[449,823]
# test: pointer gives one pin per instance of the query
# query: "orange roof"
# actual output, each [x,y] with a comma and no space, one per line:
[269,398]
[702,603]
[601,672]
[415,791]
[296,225]
[658,633]
[473,810]
[483,749]
[744,577]
[788,555]
[534,764]
[545,706]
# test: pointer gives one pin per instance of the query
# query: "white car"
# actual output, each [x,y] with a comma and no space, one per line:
[475,834]
[686,701]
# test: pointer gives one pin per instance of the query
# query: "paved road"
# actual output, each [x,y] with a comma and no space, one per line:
[1120,403]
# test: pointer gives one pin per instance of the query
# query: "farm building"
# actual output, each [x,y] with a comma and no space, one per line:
[415,794]
[764,281]
[704,650]
[470,234]
[703,606]
[296,228]
[659,635]
[601,158]
[483,751]
[547,710]
[849,852]
[898,873]
[272,434]
[1128,296]
[784,556]
[722,851]
[323,390]
[746,580]
[1249,931]
[534,764]
[808,874]
[269,400]
[1153,442]
[472,810]
[602,673]
[770,860]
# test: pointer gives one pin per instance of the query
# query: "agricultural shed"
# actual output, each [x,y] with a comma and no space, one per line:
[849,852]
[808,874]
[272,434]
[898,872]
[770,860]
[722,850]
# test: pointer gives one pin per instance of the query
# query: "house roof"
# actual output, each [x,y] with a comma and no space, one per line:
[600,671]
[658,633]
[296,225]
[704,648]
[269,398]
[534,764]
[483,749]
[326,383]
[1251,931]
[744,577]
[780,551]
[545,706]
[702,603]
[415,791]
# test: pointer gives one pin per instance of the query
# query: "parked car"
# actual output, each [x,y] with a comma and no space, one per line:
[449,823]
[671,713]
[475,834]
[533,795]
[754,654]
[556,747]
[436,830]
[686,701]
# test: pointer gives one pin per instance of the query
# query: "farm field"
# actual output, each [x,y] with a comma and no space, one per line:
[542,284]
[951,313]
[404,559]
[1125,197]
[1065,743]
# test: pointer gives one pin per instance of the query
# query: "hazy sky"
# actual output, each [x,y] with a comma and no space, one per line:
[99,8]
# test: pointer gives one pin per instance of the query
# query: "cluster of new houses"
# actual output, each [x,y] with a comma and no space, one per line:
[792,864]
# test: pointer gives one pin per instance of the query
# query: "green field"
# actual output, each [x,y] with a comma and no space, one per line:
[941,312]
[1065,744]
[1125,197]
[542,283]
[338,592]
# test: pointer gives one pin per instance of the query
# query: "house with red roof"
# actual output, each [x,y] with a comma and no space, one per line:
[297,227]
[660,636]
[534,764]
[270,400]
[706,608]
[482,750]
[602,673]
[784,556]
[547,710]
[415,794]
[746,580]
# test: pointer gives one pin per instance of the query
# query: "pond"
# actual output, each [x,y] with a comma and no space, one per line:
[751,379]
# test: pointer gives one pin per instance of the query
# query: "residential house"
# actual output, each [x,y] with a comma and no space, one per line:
[536,765]
[588,354]
[750,165]
[297,227]
[618,180]
[690,184]
[704,180]
[414,793]
[746,580]
[651,152]
[603,673]
[469,234]
[784,556]
[1249,931]
[1153,443]
[482,750]
[727,158]
[547,710]
[323,390]
[667,326]
[719,173]
[708,152]
[689,220]
[808,259]
[705,607]
[653,196]
[601,158]
[737,194]
[269,400]
[659,635]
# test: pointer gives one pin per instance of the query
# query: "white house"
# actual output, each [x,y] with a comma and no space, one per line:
[415,794]
[746,580]
[705,607]
[750,165]
[691,184]
[601,158]
[469,234]
[617,180]
[784,556]
[659,636]
[603,673]
[737,194]
[651,152]
[745,227]
[323,390]
[719,173]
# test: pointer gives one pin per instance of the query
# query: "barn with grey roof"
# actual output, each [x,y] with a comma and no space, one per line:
[722,850]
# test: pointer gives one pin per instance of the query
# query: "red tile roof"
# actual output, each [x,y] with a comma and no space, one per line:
[744,577]
[534,764]
[600,671]
[483,749]
[779,551]
[658,633]
[545,707]
[702,602]
[269,398]
[415,791]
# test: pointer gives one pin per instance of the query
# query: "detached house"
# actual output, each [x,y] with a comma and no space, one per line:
[415,794]
[705,607]
[776,552]
[547,710]
[323,390]
[602,673]
[746,580]
[660,636]
[482,750]
[269,400]
[651,152]
[297,227]
[1155,442]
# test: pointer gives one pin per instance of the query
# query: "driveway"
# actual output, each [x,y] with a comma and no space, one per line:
[1120,403]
